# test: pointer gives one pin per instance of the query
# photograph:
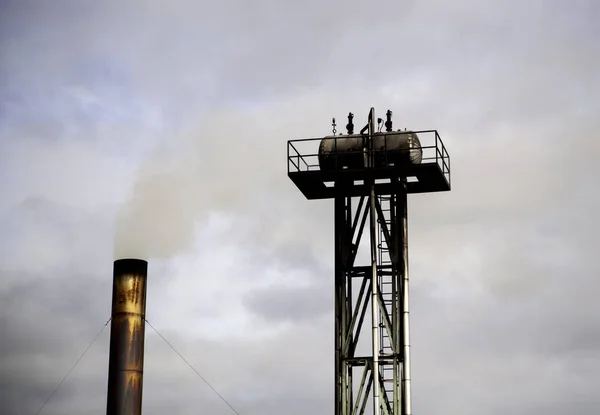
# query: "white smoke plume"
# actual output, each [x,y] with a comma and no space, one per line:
[236,163]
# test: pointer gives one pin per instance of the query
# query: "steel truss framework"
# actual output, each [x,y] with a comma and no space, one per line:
[384,291]
[383,375]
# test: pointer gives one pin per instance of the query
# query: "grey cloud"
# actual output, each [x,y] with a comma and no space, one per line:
[294,304]
[502,267]
[306,292]
[317,46]
[45,328]
[49,320]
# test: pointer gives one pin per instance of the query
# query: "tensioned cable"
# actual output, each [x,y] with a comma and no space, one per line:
[72,368]
[194,369]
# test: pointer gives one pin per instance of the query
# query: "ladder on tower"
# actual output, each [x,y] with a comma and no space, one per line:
[386,288]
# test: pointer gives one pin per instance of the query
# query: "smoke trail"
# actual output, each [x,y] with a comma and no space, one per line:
[191,174]
[157,221]
[235,164]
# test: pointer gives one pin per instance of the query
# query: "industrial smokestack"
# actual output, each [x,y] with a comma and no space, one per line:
[127,330]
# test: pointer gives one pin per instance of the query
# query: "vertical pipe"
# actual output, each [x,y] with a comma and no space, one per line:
[406,390]
[374,306]
[370,158]
[126,356]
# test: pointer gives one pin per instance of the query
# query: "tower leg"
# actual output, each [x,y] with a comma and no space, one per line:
[406,381]
[340,304]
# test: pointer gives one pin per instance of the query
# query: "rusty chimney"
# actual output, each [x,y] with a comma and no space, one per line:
[127,329]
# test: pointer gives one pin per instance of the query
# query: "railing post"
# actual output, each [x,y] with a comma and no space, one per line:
[436,146]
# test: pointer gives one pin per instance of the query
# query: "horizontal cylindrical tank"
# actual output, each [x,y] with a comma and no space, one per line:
[391,149]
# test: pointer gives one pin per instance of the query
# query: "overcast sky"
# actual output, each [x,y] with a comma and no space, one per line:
[159,129]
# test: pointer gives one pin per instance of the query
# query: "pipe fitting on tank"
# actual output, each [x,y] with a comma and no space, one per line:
[388,123]
[350,125]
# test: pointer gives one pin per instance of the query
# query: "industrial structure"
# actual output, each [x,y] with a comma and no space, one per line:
[127,332]
[377,170]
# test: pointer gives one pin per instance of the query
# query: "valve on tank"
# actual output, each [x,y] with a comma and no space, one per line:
[350,125]
[388,123]
[392,149]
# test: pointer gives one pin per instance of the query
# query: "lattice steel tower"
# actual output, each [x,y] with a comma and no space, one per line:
[377,169]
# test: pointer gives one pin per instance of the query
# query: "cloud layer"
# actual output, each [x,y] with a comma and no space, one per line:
[137,129]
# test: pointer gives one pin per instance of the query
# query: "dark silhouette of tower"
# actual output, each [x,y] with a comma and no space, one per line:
[369,176]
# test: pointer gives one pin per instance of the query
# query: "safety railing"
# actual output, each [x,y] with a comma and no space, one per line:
[303,154]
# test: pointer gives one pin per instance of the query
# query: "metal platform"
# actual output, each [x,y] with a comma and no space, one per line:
[431,175]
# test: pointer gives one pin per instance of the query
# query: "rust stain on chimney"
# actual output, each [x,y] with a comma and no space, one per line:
[126,361]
